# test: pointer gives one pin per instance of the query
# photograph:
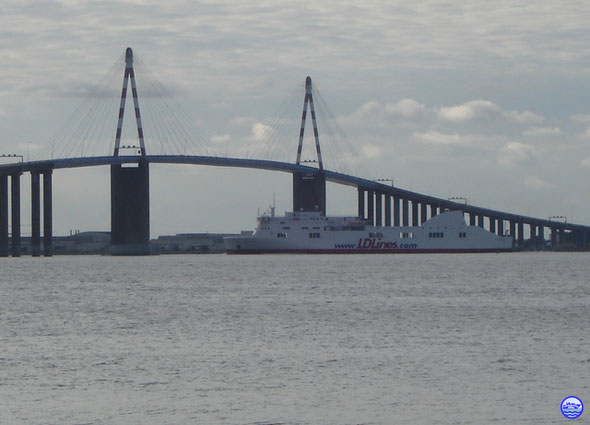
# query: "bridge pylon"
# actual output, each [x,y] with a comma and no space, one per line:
[309,189]
[130,201]
[129,75]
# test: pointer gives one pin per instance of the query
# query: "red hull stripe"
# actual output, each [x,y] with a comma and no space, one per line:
[365,251]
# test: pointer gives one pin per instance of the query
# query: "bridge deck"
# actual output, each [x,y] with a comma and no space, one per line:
[287,168]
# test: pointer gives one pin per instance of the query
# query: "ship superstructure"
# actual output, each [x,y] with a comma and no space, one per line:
[312,232]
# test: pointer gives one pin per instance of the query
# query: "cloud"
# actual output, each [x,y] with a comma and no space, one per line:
[524,117]
[474,109]
[241,121]
[515,153]
[261,132]
[221,138]
[369,109]
[434,137]
[485,110]
[536,183]
[580,118]
[369,151]
[369,112]
[406,108]
[541,131]
[375,113]
[257,143]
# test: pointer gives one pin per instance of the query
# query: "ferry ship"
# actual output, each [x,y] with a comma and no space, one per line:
[313,233]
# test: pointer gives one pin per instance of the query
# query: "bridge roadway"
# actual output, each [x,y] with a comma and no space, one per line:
[364,184]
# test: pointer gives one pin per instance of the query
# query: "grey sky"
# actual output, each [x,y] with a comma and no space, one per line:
[487,100]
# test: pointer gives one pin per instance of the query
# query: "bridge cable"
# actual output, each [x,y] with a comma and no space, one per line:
[185,136]
[283,131]
[286,126]
[64,140]
[340,146]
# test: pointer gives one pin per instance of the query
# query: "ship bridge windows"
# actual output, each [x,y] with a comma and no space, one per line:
[462,234]
[314,235]
[406,235]
[281,235]
[436,235]
[344,227]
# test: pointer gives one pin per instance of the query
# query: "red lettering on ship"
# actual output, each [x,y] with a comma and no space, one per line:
[372,243]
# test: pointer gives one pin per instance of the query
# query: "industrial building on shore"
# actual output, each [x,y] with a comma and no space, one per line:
[96,242]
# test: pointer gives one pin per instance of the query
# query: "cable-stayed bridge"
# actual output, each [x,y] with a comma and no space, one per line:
[380,203]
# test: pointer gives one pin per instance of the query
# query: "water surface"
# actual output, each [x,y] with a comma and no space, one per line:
[294,339]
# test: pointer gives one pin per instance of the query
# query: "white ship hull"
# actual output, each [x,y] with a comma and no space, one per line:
[312,233]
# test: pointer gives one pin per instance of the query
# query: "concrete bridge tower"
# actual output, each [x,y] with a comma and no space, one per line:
[130,192]
[309,189]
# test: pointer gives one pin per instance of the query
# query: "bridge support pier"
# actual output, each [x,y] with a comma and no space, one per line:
[554,237]
[405,212]
[396,214]
[500,227]
[309,192]
[561,236]
[492,224]
[371,206]
[432,210]
[130,210]
[47,213]
[378,209]
[533,235]
[415,221]
[361,203]
[480,220]
[471,219]
[4,215]
[15,205]
[15,215]
[387,210]
[520,235]
[581,238]
[35,214]
[423,213]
